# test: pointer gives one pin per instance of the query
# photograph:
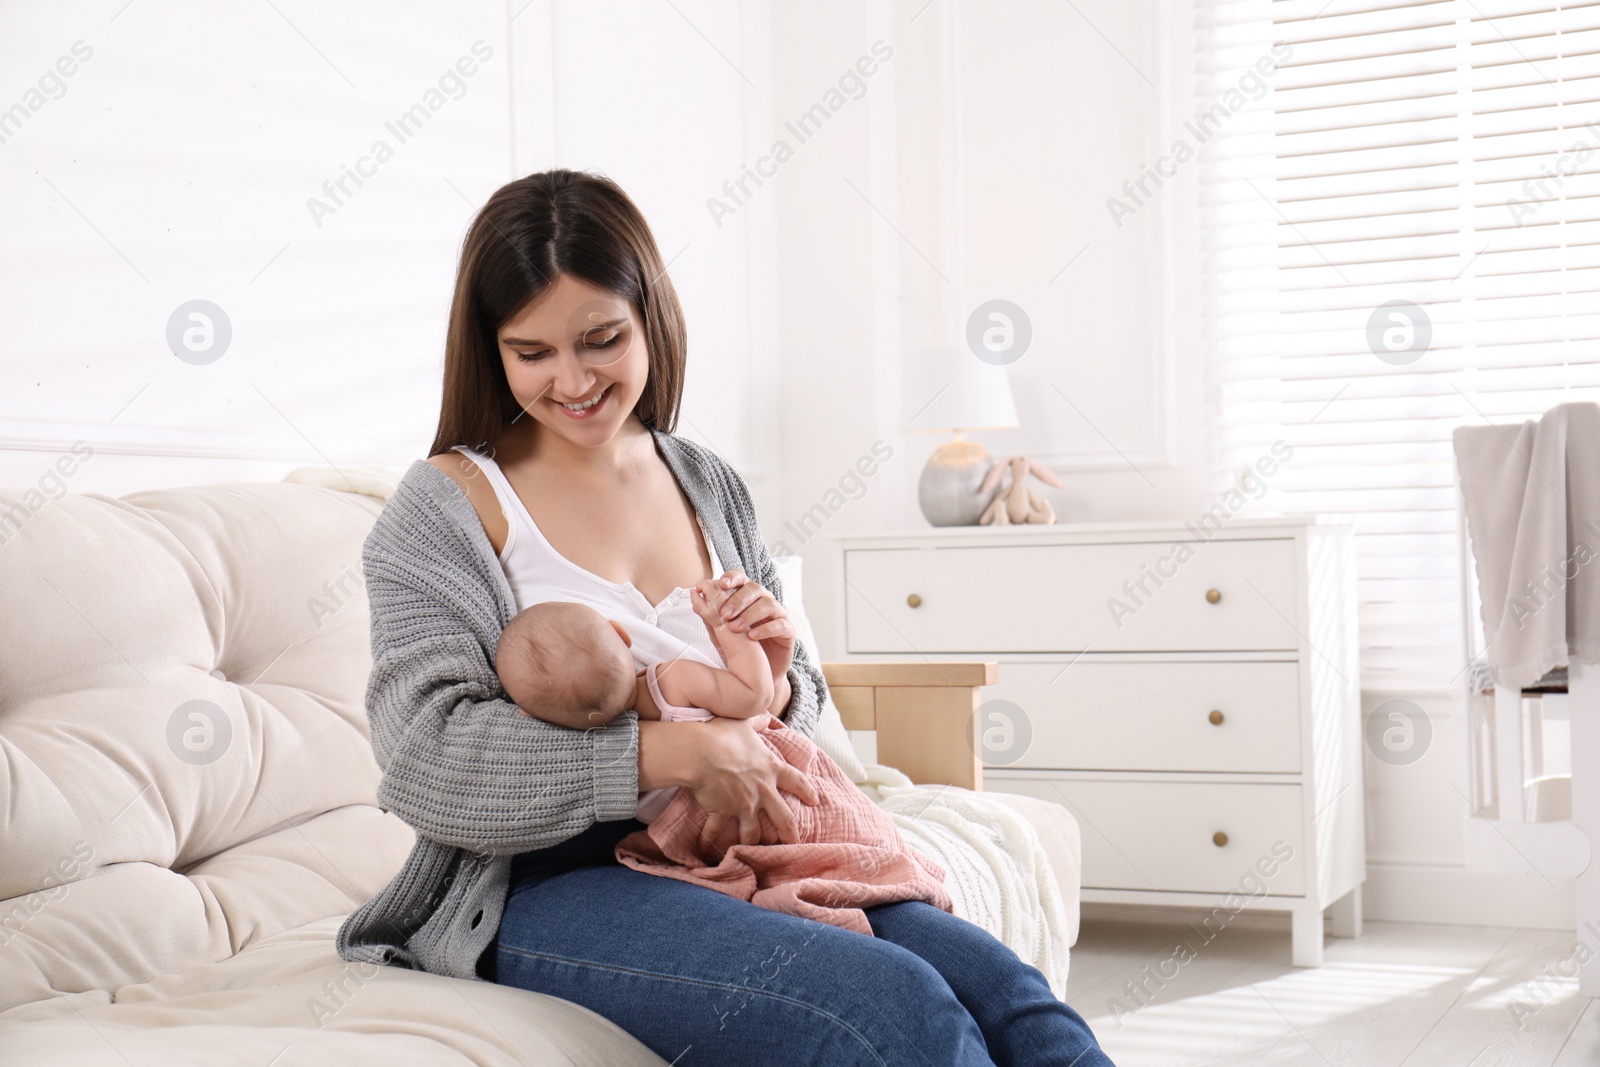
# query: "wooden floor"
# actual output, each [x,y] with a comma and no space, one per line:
[1403,993]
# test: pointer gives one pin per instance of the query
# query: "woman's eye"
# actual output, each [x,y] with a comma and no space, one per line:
[590,341]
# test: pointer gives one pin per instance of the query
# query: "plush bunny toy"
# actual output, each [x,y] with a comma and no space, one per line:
[1017,502]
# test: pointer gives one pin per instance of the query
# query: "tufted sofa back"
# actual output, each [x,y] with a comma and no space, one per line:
[184,763]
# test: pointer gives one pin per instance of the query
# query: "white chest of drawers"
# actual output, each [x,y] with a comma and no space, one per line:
[1189,691]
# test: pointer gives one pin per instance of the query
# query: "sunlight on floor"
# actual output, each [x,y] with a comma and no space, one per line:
[1412,994]
[1254,1016]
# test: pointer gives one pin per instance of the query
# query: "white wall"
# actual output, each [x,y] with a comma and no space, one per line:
[977,166]
[1416,854]
[178,163]
[178,166]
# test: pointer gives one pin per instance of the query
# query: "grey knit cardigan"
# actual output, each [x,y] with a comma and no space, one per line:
[478,781]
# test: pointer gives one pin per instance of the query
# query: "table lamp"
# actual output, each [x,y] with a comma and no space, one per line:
[951,390]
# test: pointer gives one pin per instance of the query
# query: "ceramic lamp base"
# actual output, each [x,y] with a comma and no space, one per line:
[948,489]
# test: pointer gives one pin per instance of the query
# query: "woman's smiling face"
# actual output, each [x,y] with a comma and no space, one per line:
[576,360]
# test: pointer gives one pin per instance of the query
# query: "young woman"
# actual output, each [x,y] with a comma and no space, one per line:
[555,474]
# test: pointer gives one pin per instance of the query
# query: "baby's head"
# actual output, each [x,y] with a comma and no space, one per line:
[567,660]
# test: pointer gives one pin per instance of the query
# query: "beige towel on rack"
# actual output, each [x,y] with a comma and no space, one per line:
[1532,500]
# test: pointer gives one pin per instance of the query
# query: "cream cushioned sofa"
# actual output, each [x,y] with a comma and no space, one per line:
[189,798]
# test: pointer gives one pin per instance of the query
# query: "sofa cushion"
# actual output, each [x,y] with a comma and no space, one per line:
[291,992]
[185,737]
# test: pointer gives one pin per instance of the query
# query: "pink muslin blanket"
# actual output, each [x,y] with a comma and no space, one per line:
[849,856]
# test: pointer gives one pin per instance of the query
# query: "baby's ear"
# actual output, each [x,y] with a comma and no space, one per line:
[622,633]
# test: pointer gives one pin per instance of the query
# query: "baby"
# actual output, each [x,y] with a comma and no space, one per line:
[566,664]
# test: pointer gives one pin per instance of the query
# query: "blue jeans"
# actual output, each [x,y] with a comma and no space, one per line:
[702,978]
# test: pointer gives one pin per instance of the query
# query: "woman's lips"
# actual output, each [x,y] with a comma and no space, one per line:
[588,412]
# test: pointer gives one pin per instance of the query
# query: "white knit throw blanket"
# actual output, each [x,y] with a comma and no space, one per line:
[996,870]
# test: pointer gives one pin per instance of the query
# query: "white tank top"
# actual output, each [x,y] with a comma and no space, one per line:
[537,573]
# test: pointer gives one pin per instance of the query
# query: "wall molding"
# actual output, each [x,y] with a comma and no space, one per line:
[1449,894]
[54,437]
[1158,451]
[1155,455]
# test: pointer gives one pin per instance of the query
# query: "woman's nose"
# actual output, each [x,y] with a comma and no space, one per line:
[573,377]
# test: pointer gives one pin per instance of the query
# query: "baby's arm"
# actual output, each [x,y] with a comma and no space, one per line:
[643,703]
[742,691]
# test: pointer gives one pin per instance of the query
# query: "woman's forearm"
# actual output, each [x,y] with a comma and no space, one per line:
[661,761]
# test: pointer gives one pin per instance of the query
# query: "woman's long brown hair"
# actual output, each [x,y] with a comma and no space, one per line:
[531,231]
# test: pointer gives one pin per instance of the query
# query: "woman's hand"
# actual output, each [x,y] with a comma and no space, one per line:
[750,608]
[735,776]
[738,778]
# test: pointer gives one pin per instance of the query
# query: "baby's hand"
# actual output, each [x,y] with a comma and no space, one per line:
[708,598]
[744,689]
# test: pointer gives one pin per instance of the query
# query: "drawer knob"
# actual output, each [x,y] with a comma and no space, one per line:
[1216,718]
[914,601]
[1219,839]
[1213,596]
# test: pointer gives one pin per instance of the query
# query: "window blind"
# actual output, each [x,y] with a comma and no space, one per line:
[1431,185]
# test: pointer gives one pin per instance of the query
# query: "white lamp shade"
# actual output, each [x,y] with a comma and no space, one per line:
[951,389]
